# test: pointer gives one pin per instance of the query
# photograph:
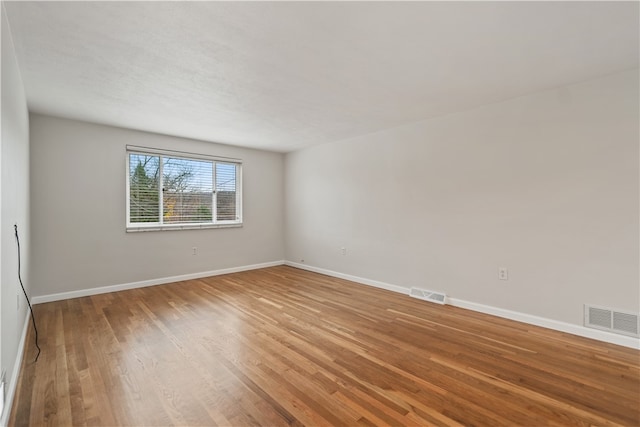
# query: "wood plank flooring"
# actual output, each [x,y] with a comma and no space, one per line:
[282,346]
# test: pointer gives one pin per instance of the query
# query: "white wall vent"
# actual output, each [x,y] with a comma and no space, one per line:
[608,319]
[431,296]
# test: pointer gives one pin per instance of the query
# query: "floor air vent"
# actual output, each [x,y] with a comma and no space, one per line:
[431,296]
[608,319]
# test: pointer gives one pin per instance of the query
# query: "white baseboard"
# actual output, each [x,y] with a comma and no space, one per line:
[495,311]
[144,283]
[374,283]
[13,383]
[569,328]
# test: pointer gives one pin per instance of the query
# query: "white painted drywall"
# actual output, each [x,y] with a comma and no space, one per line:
[14,206]
[545,185]
[78,211]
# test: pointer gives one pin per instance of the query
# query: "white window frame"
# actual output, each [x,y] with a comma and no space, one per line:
[160,225]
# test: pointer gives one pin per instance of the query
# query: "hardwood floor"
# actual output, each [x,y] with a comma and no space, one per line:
[284,346]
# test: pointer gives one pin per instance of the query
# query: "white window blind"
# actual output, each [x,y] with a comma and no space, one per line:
[226,192]
[187,190]
[174,191]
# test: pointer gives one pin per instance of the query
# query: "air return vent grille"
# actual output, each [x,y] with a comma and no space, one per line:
[431,296]
[608,319]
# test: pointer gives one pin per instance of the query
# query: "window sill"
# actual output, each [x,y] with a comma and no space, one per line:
[173,227]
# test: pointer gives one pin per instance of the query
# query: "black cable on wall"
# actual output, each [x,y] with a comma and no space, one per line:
[33,319]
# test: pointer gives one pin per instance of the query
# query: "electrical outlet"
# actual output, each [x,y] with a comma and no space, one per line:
[194,251]
[503,273]
[344,250]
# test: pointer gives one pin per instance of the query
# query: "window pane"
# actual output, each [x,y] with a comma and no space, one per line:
[226,192]
[187,190]
[144,204]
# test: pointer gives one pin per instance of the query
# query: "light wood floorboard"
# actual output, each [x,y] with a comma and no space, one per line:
[283,346]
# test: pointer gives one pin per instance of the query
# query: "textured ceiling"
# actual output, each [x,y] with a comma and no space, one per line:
[283,76]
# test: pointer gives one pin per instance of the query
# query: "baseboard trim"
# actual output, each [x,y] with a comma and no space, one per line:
[556,325]
[144,283]
[370,282]
[494,311]
[17,365]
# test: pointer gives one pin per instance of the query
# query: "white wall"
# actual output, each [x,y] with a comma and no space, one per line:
[545,185]
[78,211]
[14,207]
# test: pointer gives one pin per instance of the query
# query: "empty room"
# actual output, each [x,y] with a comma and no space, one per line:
[320,213]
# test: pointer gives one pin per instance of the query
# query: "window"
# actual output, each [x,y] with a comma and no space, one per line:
[171,190]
